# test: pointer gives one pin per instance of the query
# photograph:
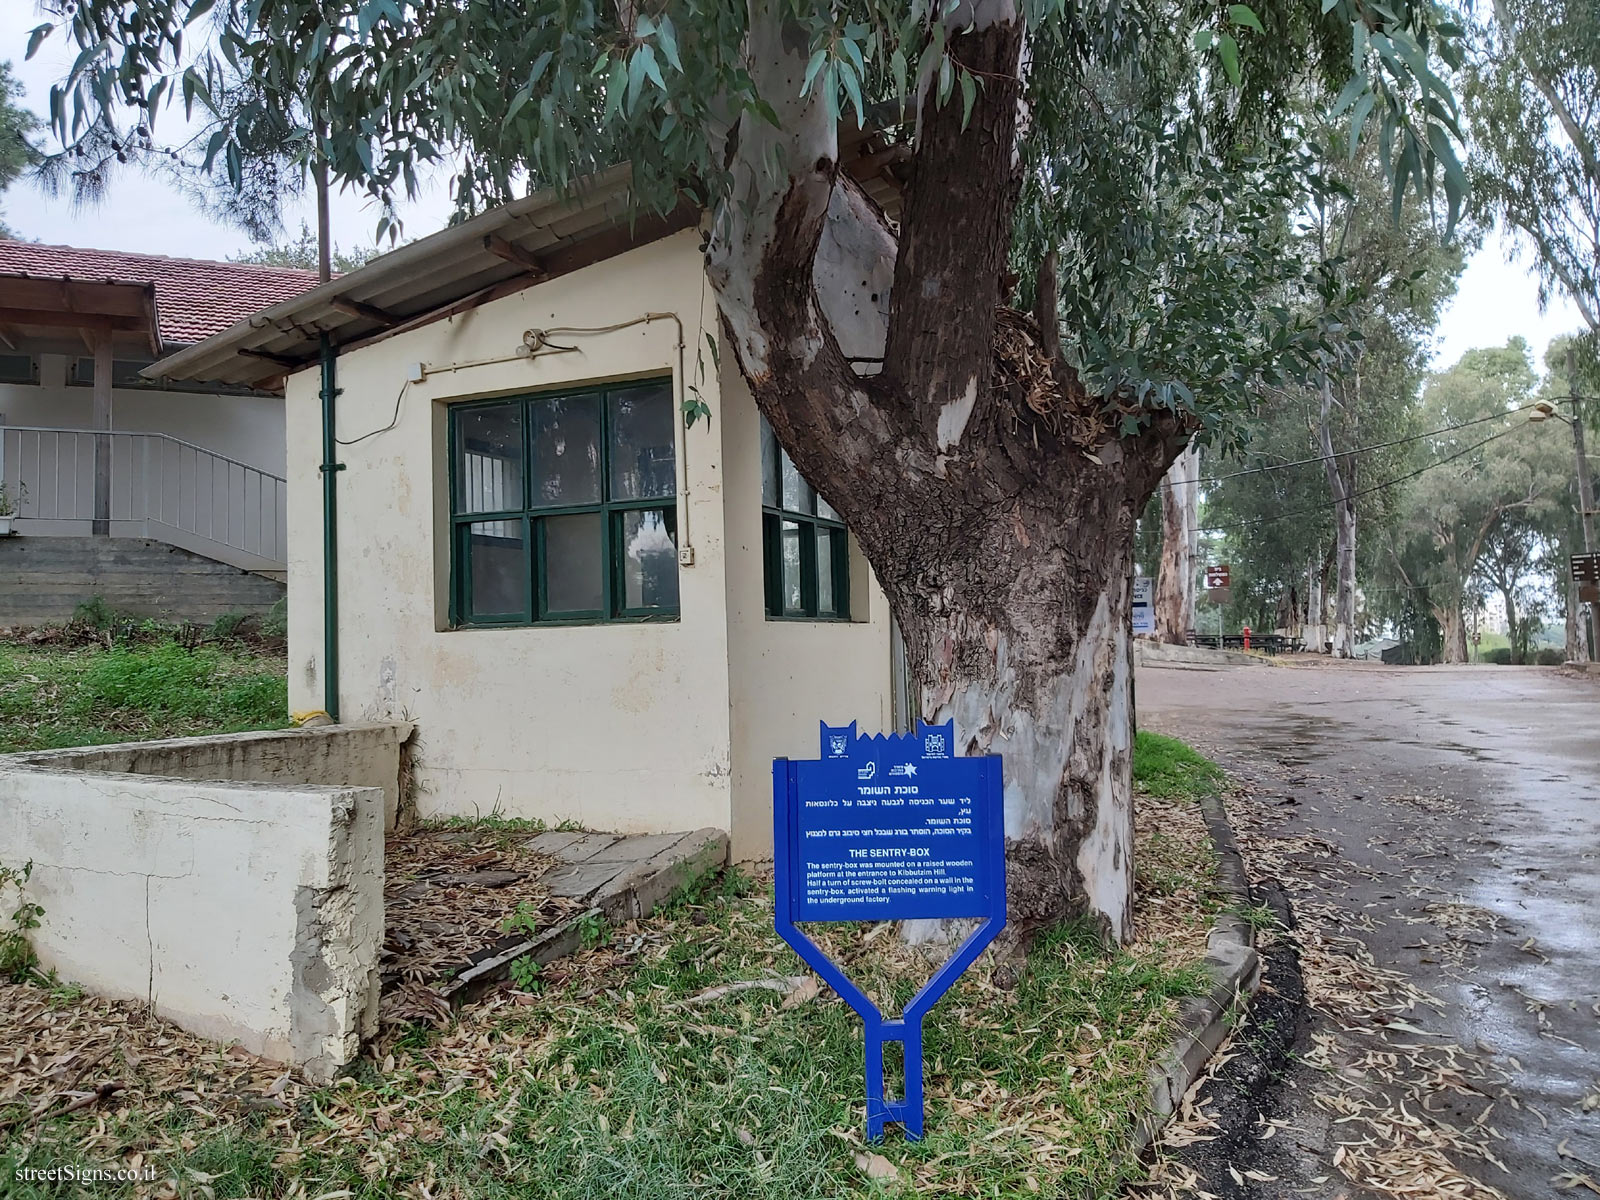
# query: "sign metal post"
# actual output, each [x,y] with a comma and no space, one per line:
[889,828]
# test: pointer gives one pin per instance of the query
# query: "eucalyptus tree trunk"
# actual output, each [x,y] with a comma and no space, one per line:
[1316,633]
[1577,646]
[1341,483]
[1180,502]
[1515,636]
[1453,625]
[1001,531]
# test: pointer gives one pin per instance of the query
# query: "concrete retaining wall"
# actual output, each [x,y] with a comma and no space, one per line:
[355,755]
[1148,653]
[247,910]
[44,579]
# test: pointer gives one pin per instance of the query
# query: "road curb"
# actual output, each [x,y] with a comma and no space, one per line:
[1205,1021]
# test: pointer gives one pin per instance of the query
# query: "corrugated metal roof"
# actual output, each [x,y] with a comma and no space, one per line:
[495,253]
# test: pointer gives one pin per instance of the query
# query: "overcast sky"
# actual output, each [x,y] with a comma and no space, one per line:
[1496,298]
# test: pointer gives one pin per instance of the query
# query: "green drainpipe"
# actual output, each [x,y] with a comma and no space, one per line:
[330,536]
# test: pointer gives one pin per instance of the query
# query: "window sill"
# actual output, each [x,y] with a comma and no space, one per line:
[566,623]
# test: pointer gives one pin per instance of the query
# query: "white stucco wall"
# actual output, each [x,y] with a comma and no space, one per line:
[243,912]
[642,727]
[246,428]
[787,676]
[619,726]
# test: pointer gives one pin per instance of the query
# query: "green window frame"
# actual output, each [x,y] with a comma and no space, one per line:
[804,544]
[563,507]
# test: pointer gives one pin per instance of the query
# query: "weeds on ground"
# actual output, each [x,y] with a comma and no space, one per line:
[17,958]
[51,696]
[1165,767]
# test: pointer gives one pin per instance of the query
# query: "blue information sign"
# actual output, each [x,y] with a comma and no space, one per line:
[889,828]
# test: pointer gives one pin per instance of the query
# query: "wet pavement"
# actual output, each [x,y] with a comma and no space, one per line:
[1461,810]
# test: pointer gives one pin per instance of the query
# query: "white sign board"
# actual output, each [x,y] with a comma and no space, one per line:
[1144,604]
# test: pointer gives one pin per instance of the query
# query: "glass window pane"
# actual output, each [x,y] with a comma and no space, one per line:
[769,465]
[642,452]
[826,605]
[797,493]
[824,509]
[650,559]
[789,565]
[574,575]
[566,450]
[489,458]
[498,565]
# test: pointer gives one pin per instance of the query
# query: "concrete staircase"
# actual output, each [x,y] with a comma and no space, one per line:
[44,579]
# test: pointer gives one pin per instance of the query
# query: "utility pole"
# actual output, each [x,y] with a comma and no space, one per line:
[1585,483]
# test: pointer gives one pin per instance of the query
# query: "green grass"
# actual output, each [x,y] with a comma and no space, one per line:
[1165,767]
[619,1078]
[51,696]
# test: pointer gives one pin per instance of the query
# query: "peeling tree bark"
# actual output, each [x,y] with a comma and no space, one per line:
[1005,551]
[1180,501]
[1342,483]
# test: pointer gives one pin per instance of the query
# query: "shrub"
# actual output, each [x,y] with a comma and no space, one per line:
[1549,657]
[17,958]
[95,613]
[1500,656]
[227,625]
[275,624]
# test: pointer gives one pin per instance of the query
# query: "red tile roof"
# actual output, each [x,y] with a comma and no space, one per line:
[195,299]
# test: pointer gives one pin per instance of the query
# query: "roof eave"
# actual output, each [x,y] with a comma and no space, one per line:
[317,311]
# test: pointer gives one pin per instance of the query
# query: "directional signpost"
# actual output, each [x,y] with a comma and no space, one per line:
[889,828]
[1586,573]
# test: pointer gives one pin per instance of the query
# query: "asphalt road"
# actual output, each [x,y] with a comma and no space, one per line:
[1460,808]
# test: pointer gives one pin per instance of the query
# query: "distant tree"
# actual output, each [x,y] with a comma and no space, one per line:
[1293,533]
[1532,98]
[1564,529]
[1397,274]
[16,124]
[1510,561]
[1491,476]
[301,251]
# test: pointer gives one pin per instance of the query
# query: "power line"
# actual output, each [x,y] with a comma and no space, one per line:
[1321,458]
[1377,487]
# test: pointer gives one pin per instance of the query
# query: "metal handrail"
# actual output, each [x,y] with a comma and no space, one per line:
[146,433]
[190,497]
